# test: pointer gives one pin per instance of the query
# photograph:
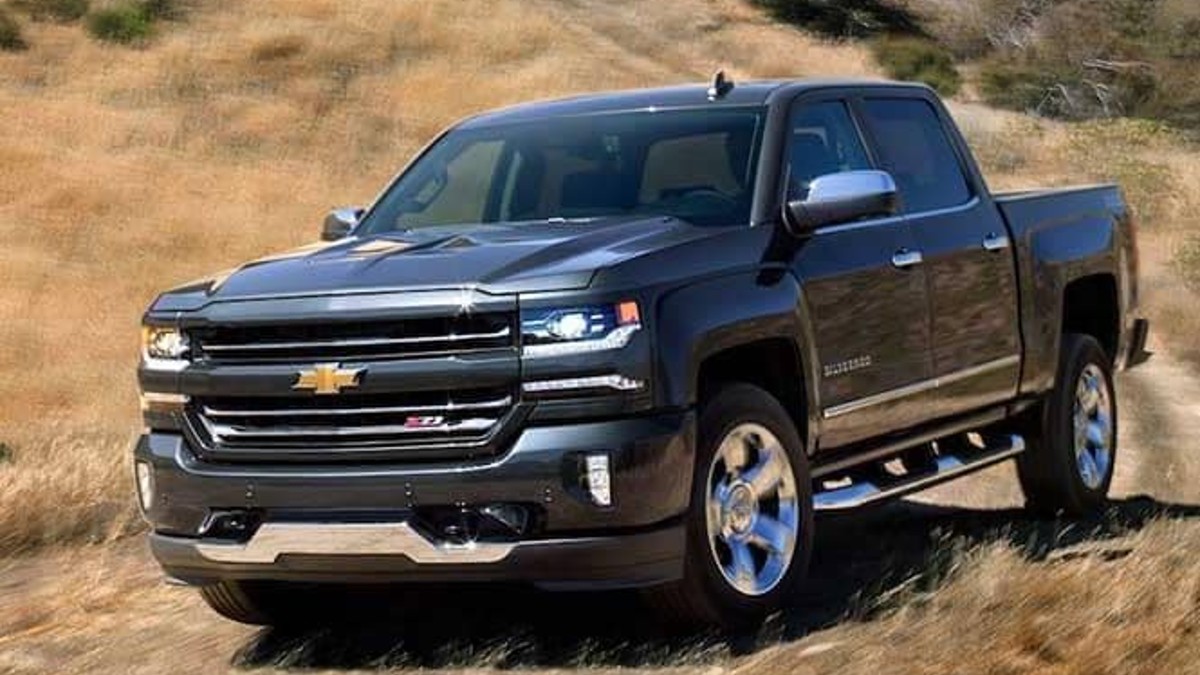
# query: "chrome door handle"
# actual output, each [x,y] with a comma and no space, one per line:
[906,258]
[995,242]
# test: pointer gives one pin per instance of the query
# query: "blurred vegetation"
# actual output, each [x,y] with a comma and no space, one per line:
[845,18]
[918,60]
[1187,262]
[1068,59]
[10,33]
[125,24]
[1080,59]
[53,10]
[1102,148]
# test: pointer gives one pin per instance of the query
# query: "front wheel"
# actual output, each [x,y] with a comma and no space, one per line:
[265,603]
[1068,466]
[750,526]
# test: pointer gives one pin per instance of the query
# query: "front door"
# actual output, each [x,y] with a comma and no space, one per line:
[868,306]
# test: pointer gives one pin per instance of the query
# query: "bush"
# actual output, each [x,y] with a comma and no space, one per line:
[10,33]
[55,10]
[124,24]
[162,10]
[845,18]
[918,60]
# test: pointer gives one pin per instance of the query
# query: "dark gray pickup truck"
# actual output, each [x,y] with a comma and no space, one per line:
[635,340]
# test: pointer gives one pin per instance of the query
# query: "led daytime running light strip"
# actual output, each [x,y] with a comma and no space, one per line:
[617,382]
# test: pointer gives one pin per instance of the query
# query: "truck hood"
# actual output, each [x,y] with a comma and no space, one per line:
[509,258]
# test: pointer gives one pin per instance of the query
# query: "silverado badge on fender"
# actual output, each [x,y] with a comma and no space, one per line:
[328,378]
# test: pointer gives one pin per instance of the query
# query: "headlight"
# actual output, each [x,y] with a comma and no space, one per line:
[575,330]
[166,346]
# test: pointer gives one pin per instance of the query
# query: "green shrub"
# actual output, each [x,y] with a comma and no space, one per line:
[845,18]
[162,10]
[916,59]
[10,33]
[124,24]
[54,10]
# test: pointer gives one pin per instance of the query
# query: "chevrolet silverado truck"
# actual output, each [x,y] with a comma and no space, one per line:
[635,340]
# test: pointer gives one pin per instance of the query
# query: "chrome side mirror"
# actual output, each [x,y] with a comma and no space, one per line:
[840,198]
[340,222]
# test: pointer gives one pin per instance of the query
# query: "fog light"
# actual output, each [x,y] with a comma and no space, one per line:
[145,485]
[599,479]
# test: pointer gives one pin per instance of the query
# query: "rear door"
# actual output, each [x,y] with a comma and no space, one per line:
[967,256]
[868,314]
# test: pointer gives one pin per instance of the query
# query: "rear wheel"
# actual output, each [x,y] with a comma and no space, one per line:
[750,526]
[1068,466]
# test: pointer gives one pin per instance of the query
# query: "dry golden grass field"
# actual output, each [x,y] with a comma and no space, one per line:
[124,171]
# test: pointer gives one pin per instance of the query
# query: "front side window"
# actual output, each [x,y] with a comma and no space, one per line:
[823,140]
[914,148]
[696,165]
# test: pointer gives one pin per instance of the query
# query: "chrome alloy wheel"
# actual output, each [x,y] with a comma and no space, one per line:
[752,509]
[1093,427]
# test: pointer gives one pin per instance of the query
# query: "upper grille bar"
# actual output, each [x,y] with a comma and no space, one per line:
[377,410]
[359,342]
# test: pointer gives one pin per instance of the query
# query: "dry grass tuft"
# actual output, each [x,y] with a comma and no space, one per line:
[1119,606]
[65,488]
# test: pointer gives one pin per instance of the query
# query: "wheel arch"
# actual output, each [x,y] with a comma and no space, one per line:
[739,329]
[1091,306]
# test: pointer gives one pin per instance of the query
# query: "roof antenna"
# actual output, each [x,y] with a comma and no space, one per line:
[720,86]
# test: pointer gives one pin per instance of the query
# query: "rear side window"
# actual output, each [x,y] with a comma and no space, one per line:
[914,148]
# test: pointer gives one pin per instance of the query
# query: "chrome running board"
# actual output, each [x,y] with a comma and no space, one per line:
[273,540]
[950,465]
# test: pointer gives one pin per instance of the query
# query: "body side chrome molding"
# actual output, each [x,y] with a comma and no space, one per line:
[919,387]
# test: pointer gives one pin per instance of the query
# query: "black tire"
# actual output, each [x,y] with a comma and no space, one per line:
[1049,470]
[703,596]
[261,603]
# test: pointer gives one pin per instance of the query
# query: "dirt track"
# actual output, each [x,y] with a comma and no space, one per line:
[104,609]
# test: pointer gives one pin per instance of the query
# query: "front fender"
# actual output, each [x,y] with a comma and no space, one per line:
[705,318]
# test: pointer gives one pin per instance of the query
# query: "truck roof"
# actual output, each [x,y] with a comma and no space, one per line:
[751,93]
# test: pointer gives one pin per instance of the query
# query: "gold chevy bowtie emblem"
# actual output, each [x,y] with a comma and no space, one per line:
[328,378]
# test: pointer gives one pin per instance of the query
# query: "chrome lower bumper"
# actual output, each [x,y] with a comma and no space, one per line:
[273,540]
[397,553]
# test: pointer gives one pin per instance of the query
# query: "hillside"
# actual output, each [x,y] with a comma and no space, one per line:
[228,135]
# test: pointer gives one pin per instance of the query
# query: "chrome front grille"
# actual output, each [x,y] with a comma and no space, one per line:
[417,388]
[430,425]
[358,341]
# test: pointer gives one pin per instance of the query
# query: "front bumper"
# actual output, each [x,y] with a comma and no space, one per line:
[353,523]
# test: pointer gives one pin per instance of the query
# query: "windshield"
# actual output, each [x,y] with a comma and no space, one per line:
[696,165]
